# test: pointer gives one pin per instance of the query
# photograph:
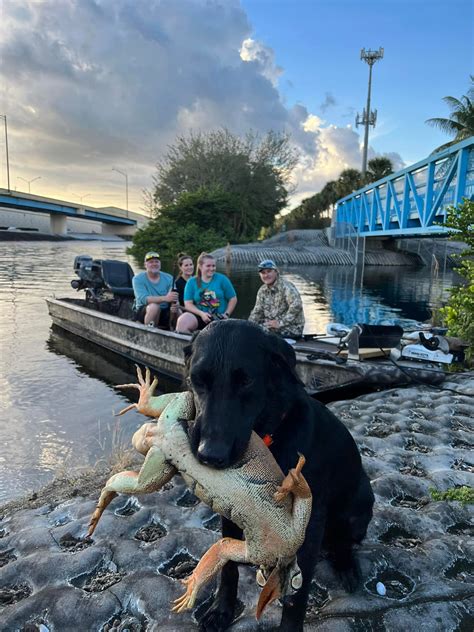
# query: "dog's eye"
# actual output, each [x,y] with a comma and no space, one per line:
[201,380]
[297,581]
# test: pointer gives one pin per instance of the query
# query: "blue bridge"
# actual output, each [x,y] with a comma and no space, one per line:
[411,202]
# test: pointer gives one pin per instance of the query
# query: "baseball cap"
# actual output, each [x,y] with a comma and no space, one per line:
[151,255]
[267,264]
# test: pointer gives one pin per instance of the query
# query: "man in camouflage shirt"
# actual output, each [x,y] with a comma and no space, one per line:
[278,307]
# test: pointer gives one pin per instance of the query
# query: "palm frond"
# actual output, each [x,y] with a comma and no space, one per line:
[446,125]
[453,103]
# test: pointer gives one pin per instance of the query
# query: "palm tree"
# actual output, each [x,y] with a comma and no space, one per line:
[461,121]
[378,168]
[349,180]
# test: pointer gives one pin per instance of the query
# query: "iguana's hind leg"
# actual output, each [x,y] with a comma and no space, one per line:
[155,472]
[294,482]
[211,563]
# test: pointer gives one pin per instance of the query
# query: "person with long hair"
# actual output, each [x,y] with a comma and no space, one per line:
[186,270]
[207,296]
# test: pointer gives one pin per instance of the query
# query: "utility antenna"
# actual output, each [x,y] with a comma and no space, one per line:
[369,117]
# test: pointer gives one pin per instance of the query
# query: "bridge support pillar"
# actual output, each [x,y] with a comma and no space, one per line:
[58,224]
[114,229]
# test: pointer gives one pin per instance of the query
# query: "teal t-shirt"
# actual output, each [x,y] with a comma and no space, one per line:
[212,296]
[143,288]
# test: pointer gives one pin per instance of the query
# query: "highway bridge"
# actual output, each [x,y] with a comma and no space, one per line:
[57,217]
[411,202]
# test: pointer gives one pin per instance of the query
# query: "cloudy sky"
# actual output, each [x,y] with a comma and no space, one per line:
[88,85]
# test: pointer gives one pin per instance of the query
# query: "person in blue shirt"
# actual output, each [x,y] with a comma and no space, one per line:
[207,295]
[154,293]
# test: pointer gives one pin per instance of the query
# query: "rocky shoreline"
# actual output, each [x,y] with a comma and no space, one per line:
[313,247]
[412,440]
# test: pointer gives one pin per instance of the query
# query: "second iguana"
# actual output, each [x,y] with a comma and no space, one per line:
[273,510]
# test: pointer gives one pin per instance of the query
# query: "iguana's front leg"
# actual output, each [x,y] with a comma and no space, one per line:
[211,563]
[294,482]
[147,404]
[154,473]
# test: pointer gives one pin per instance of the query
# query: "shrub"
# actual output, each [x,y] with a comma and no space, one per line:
[458,315]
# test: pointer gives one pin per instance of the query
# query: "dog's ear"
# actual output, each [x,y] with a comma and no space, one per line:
[188,351]
[283,355]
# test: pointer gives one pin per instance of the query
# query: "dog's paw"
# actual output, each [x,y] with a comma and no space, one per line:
[349,578]
[286,627]
[216,618]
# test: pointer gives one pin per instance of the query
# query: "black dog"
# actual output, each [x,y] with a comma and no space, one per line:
[244,379]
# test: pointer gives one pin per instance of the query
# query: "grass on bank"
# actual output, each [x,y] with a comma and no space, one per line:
[464,494]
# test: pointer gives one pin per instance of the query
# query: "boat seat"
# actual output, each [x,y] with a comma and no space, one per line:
[118,277]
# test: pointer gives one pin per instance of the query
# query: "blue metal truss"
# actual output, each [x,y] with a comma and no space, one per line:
[412,201]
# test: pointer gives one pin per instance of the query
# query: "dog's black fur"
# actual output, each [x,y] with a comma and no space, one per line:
[244,379]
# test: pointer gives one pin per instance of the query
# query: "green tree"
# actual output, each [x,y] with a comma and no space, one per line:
[458,314]
[187,225]
[378,168]
[254,171]
[349,180]
[460,124]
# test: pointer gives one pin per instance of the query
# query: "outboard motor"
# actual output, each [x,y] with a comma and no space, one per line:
[103,279]
[90,277]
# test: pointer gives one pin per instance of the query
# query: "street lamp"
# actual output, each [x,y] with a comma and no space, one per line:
[81,197]
[126,185]
[28,182]
[4,117]
[368,118]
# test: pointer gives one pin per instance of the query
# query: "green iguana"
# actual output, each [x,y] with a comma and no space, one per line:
[272,509]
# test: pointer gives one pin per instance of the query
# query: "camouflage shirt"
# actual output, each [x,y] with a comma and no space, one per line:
[281,302]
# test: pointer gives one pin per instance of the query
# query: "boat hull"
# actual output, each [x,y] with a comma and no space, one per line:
[160,350]
[163,351]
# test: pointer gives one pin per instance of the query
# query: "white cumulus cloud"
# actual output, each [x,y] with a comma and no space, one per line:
[92,84]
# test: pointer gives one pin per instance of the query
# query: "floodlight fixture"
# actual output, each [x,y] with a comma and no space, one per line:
[368,117]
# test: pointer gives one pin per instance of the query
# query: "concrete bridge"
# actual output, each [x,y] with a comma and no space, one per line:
[57,217]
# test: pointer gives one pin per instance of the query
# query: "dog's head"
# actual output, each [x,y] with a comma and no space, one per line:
[243,379]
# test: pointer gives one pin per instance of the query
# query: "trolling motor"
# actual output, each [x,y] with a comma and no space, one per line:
[102,279]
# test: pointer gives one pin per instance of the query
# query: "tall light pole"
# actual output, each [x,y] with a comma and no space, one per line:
[126,185]
[4,117]
[28,182]
[368,117]
[81,197]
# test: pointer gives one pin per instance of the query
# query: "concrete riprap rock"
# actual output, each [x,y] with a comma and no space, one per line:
[53,577]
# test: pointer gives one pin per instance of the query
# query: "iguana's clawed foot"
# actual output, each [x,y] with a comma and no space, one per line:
[186,601]
[105,498]
[294,482]
[146,389]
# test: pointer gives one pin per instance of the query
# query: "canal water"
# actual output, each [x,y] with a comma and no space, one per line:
[57,399]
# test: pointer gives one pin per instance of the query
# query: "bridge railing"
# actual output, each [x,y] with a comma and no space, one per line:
[412,201]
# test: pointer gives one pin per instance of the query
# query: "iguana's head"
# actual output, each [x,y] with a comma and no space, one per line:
[285,579]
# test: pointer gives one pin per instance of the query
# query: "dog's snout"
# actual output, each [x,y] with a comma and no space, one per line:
[211,455]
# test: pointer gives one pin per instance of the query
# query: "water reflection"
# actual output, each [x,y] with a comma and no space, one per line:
[56,398]
[94,361]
